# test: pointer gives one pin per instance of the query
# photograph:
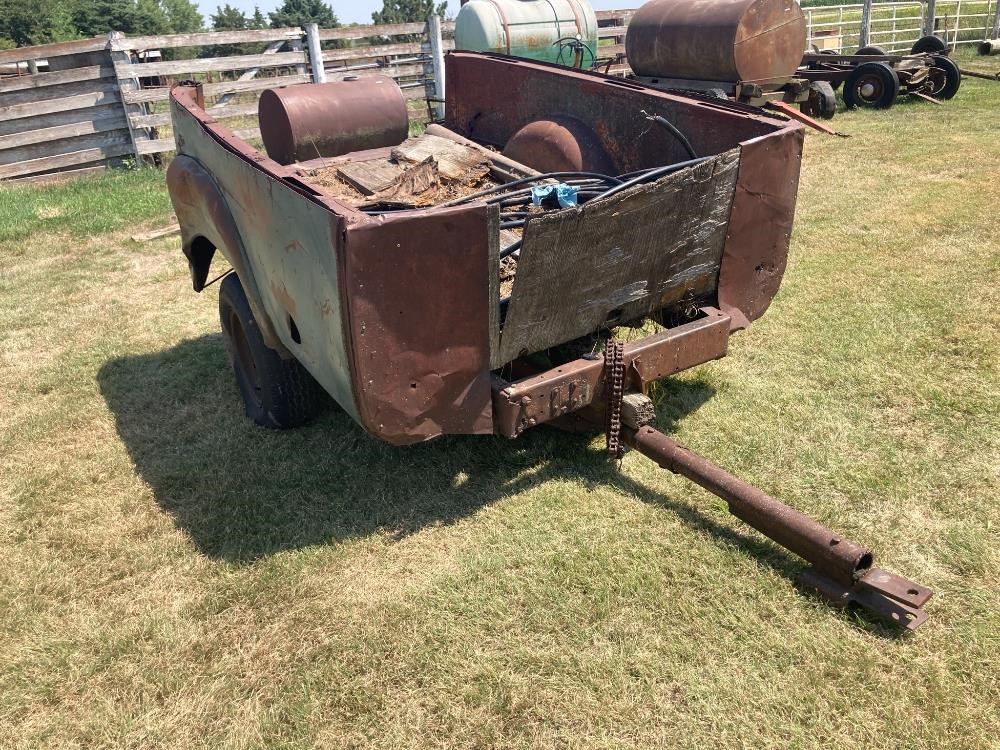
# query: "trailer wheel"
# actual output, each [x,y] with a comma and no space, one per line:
[929,43]
[870,50]
[277,393]
[872,85]
[822,101]
[945,77]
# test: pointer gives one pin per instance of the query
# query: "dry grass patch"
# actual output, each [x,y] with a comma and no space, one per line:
[174,577]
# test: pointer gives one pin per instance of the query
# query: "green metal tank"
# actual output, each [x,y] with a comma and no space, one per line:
[530,28]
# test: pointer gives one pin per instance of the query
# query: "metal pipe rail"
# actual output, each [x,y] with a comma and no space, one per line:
[842,570]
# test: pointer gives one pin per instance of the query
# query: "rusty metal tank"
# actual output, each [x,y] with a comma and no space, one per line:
[529,28]
[717,40]
[312,120]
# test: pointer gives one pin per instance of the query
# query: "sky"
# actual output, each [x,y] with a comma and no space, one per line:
[360,11]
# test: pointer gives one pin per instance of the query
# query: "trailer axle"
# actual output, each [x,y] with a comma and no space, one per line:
[841,570]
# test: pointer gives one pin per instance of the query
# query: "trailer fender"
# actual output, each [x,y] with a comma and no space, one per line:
[207,225]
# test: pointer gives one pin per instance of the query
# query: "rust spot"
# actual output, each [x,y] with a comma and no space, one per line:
[281,294]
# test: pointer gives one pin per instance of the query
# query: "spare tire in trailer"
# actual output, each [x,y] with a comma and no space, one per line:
[870,50]
[945,77]
[929,43]
[872,85]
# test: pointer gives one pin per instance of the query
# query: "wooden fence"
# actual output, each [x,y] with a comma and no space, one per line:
[76,107]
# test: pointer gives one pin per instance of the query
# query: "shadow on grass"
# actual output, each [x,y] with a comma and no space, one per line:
[242,493]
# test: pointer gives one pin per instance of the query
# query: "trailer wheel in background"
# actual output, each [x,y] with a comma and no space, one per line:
[277,393]
[872,85]
[945,77]
[822,101]
[870,50]
[928,43]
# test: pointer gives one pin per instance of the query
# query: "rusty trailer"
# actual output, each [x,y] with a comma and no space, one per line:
[470,280]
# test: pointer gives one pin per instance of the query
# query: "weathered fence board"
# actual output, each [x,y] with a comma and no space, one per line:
[38,80]
[50,163]
[212,38]
[190,67]
[112,121]
[80,101]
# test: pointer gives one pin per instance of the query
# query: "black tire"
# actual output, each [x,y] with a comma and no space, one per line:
[871,85]
[277,393]
[870,50]
[928,43]
[945,77]
[822,101]
[828,52]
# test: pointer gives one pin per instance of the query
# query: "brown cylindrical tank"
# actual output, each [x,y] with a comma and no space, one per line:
[310,120]
[717,40]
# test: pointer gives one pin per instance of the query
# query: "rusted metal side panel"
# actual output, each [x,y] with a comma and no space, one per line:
[532,91]
[419,307]
[646,248]
[760,225]
[292,246]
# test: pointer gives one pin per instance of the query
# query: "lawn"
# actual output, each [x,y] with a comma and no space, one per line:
[173,577]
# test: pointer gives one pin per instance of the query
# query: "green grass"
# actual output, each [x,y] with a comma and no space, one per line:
[174,578]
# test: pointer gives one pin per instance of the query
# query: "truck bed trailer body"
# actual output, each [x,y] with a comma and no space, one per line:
[406,310]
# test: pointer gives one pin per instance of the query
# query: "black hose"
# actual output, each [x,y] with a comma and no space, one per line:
[528,180]
[652,174]
[511,249]
[673,129]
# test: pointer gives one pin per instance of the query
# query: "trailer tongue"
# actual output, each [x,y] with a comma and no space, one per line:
[841,570]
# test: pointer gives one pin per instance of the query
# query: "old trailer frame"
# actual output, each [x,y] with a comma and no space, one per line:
[396,315]
[926,76]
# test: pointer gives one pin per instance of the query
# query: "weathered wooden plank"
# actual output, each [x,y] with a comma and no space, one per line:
[204,38]
[162,145]
[44,51]
[189,67]
[393,71]
[110,121]
[611,31]
[34,151]
[454,161]
[247,75]
[52,178]
[620,258]
[74,158]
[363,32]
[87,73]
[160,94]
[219,113]
[607,15]
[373,50]
[370,176]
[52,119]
[81,101]
[57,91]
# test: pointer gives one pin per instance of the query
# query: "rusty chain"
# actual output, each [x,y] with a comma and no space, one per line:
[614,391]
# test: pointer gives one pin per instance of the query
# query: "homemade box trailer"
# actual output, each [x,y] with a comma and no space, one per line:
[470,280]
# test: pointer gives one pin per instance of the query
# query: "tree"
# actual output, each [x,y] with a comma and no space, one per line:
[257,20]
[407,11]
[183,16]
[228,18]
[301,12]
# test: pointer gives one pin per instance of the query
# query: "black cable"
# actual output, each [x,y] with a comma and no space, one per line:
[673,129]
[528,180]
[653,173]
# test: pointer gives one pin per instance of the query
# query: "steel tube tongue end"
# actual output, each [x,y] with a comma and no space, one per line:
[841,570]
